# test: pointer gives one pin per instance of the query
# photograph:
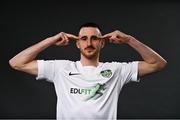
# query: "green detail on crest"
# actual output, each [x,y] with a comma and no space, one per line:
[106,73]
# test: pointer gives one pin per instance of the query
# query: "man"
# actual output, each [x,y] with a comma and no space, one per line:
[88,89]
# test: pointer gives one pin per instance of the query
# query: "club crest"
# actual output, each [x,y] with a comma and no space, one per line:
[106,73]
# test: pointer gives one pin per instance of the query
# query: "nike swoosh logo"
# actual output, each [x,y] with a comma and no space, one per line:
[73,74]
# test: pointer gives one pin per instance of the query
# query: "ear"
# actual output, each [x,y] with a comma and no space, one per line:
[77,44]
[102,44]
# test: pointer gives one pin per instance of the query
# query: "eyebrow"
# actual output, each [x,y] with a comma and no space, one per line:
[94,36]
[83,37]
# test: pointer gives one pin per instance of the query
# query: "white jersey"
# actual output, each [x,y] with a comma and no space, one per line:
[87,92]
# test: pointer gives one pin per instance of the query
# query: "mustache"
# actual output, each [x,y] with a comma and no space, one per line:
[91,47]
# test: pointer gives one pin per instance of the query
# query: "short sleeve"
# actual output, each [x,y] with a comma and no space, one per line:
[129,72]
[47,68]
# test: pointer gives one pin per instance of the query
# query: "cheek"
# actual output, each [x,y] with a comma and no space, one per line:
[80,45]
[98,44]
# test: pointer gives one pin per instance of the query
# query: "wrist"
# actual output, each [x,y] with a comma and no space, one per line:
[50,41]
[130,39]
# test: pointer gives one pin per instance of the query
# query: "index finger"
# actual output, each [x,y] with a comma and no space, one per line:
[105,37]
[73,37]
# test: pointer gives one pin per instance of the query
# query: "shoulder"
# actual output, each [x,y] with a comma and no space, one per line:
[56,62]
[62,62]
[65,64]
[119,65]
[112,64]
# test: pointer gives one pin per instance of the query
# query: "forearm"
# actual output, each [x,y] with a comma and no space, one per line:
[30,53]
[152,61]
[148,55]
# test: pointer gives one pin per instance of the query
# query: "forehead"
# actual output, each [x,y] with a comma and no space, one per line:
[88,31]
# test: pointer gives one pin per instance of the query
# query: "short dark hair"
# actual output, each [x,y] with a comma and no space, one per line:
[90,24]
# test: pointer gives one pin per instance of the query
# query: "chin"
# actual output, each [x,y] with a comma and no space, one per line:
[90,55]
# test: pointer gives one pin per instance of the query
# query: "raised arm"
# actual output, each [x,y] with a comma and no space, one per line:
[152,61]
[26,60]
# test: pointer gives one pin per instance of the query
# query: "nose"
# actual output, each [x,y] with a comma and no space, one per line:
[89,42]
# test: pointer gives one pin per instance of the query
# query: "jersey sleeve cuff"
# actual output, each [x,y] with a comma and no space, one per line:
[135,77]
[40,70]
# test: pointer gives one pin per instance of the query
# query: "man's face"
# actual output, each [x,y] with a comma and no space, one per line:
[90,42]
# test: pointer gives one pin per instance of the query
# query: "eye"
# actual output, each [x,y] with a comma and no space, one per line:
[94,38]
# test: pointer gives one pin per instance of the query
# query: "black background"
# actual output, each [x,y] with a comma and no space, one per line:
[155,23]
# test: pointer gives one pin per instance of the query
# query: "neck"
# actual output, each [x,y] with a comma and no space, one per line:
[89,61]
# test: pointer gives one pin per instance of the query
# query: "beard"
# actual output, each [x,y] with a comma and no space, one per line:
[90,54]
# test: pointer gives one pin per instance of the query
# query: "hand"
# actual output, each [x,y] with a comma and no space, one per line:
[117,37]
[62,38]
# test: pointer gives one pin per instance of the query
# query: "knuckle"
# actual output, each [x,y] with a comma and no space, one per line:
[117,31]
[61,33]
